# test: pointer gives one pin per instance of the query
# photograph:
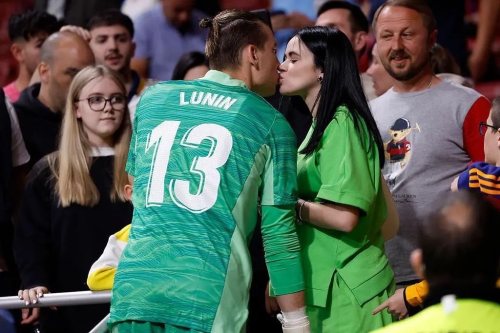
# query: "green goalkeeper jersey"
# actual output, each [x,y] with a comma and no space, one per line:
[203,155]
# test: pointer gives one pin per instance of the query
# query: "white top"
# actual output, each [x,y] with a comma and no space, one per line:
[102,151]
[20,155]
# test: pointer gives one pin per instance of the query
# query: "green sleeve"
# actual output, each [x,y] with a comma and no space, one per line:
[342,160]
[130,166]
[282,249]
[279,185]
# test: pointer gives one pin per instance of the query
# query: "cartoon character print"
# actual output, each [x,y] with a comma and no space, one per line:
[398,149]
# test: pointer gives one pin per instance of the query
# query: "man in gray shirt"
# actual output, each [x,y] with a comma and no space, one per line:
[429,126]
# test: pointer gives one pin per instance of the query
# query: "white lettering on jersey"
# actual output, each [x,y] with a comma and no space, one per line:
[206,98]
[162,138]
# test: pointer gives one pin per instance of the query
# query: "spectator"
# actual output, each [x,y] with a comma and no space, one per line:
[349,19]
[163,35]
[27,32]
[423,121]
[74,199]
[187,255]
[111,42]
[342,205]
[381,79]
[41,105]
[190,66]
[111,34]
[458,254]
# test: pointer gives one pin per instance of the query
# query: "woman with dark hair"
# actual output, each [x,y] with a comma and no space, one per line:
[191,65]
[342,206]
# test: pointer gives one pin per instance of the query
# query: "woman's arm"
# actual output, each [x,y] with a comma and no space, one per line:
[328,215]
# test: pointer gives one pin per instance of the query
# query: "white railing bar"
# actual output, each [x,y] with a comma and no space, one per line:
[59,299]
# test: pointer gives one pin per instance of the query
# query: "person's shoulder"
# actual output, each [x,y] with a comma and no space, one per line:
[149,16]
[457,90]
[381,100]
[27,99]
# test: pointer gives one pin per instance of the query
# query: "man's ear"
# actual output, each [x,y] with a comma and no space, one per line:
[17,51]
[360,41]
[44,72]
[417,263]
[252,55]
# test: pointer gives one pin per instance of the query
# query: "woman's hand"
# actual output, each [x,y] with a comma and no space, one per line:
[31,296]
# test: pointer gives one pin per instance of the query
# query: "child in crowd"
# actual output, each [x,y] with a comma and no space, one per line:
[484,177]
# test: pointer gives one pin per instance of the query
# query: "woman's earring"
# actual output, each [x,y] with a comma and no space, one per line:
[320,79]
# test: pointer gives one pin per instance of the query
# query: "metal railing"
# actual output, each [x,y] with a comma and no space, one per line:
[63,299]
[58,299]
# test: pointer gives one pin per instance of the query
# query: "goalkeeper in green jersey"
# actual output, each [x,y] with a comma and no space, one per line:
[204,155]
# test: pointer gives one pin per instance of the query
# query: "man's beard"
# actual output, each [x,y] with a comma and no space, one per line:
[408,74]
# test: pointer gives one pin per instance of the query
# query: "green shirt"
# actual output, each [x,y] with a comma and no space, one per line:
[344,168]
[469,316]
[202,154]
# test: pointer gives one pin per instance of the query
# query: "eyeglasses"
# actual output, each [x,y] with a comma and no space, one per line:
[98,103]
[484,126]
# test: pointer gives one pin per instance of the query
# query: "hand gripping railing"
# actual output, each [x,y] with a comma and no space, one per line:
[63,299]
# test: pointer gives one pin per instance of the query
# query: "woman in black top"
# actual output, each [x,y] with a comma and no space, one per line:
[74,199]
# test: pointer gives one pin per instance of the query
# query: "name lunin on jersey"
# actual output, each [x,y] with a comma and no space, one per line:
[206,98]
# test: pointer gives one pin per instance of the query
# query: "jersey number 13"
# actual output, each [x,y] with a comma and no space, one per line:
[162,139]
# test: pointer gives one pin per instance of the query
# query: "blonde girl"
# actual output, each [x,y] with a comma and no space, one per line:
[74,199]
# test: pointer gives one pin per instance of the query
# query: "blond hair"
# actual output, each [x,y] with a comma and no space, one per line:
[71,165]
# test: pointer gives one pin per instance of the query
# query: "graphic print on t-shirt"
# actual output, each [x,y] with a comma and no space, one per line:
[398,149]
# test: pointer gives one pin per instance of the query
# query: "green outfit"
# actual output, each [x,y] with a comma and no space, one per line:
[470,315]
[344,168]
[202,154]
